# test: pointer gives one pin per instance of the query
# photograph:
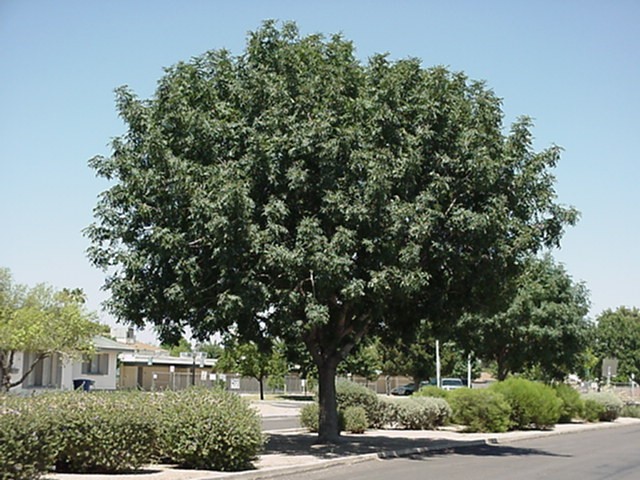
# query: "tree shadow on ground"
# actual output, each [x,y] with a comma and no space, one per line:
[307,445]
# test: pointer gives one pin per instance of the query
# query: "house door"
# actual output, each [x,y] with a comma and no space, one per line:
[140,377]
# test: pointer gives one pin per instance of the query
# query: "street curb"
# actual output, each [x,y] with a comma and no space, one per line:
[277,472]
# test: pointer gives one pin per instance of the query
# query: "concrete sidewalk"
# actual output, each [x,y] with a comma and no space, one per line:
[296,451]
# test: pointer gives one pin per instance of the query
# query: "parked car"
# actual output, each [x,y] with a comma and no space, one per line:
[408,389]
[451,383]
[404,390]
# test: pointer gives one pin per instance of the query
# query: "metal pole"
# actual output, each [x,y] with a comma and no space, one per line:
[438,383]
[469,370]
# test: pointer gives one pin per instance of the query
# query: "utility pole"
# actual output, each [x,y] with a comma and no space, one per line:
[438,382]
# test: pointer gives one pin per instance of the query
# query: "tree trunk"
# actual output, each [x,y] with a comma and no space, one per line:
[5,371]
[329,428]
[261,382]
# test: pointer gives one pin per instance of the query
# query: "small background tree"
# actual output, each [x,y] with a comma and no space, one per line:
[42,321]
[249,360]
[618,336]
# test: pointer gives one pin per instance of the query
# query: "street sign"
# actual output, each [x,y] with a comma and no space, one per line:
[609,367]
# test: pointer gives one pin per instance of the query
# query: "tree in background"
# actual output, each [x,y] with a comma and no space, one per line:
[618,336]
[175,349]
[42,321]
[293,192]
[364,361]
[248,360]
[543,329]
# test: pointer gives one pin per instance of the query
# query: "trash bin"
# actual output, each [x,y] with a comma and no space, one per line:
[83,383]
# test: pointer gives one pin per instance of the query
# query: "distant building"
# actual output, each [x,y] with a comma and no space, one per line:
[58,371]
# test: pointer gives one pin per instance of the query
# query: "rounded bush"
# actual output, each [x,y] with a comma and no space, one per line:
[532,404]
[209,430]
[632,411]
[593,410]
[355,419]
[480,410]
[310,417]
[100,432]
[26,441]
[421,413]
[350,394]
[610,406]
[572,404]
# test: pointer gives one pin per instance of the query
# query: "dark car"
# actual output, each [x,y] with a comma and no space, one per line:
[407,389]
[404,390]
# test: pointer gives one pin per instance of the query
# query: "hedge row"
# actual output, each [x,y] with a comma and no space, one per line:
[513,404]
[113,432]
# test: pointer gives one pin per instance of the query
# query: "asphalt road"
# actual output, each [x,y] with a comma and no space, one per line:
[280,423]
[612,454]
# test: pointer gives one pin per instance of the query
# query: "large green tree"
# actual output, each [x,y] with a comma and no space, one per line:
[42,321]
[543,328]
[295,192]
[618,336]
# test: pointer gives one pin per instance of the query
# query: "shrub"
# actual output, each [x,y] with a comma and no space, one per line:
[432,391]
[632,411]
[480,410]
[532,403]
[209,429]
[355,419]
[610,406]
[310,417]
[350,394]
[104,432]
[421,413]
[592,410]
[572,404]
[26,442]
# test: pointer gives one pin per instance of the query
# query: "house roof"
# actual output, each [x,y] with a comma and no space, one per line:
[103,343]
[137,358]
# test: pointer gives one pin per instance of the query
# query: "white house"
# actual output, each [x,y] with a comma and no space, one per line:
[60,371]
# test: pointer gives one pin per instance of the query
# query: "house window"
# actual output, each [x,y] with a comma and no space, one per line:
[47,372]
[96,364]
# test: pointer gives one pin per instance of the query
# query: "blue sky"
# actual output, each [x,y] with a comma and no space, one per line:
[574,66]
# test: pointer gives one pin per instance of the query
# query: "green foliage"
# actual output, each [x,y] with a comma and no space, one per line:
[175,349]
[351,394]
[43,321]
[632,411]
[532,404]
[310,417]
[101,432]
[355,419]
[422,413]
[364,361]
[249,360]
[352,197]
[572,403]
[78,433]
[606,405]
[209,430]
[432,391]
[480,410]
[27,444]
[593,410]
[543,328]
[618,336]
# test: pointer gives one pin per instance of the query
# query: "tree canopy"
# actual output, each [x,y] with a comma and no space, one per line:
[293,191]
[42,321]
[618,336]
[544,327]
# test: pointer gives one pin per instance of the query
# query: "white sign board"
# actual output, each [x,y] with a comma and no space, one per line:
[235,384]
